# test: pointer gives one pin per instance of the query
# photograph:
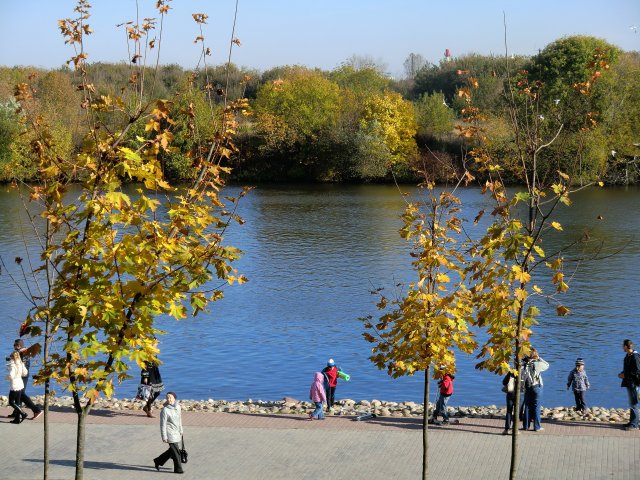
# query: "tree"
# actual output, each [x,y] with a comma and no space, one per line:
[296,117]
[619,121]
[434,117]
[413,63]
[392,119]
[111,261]
[433,317]
[505,260]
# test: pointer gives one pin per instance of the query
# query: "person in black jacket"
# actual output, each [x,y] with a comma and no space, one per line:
[630,376]
[509,388]
[150,375]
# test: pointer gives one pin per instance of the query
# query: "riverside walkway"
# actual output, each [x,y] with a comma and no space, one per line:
[228,446]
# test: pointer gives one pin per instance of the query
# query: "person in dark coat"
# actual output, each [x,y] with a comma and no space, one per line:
[509,388]
[630,376]
[150,375]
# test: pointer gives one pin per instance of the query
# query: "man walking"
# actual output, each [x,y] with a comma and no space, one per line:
[630,376]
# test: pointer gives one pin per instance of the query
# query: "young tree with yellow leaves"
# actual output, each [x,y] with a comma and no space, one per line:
[507,256]
[423,328]
[114,261]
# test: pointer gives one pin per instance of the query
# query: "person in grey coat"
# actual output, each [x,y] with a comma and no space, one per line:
[171,433]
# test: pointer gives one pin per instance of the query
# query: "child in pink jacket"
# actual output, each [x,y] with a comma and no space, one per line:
[318,396]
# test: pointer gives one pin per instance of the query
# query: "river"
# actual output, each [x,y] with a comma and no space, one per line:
[314,253]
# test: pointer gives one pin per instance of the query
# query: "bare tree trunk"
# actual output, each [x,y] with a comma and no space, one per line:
[47,389]
[425,427]
[516,407]
[80,436]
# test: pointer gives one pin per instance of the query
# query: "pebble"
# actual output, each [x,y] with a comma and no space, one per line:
[344,407]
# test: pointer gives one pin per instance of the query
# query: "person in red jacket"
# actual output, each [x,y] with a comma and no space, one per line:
[330,373]
[446,390]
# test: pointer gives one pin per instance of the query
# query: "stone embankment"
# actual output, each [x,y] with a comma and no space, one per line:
[346,407]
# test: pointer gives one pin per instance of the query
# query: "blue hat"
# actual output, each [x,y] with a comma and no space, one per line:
[331,363]
[579,361]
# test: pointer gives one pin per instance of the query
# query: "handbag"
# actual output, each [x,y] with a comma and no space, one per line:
[144,392]
[183,453]
[510,387]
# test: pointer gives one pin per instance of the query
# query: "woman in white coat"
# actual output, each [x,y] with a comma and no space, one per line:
[171,433]
[17,370]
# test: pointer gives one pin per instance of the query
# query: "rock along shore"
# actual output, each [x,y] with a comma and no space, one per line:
[345,407]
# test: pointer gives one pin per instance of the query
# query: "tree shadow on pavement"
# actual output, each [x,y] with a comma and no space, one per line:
[96,465]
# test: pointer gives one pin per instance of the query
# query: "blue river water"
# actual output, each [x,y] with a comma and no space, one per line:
[313,254]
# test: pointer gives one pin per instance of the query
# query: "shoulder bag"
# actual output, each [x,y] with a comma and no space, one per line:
[183,453]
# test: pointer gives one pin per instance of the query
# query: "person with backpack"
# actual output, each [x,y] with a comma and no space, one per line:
[532,369]
[630,376]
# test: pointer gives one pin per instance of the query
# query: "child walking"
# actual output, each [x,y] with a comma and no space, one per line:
[318,396]
[578,379]
[446,390]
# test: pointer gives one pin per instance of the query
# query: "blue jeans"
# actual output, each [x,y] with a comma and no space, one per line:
[532,405]
[441,407]
[632,393]
[318,413]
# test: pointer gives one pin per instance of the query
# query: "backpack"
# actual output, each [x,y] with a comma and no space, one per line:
[529,375]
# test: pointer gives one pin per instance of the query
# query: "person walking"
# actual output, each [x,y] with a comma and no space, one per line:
[18,346]
[17,370]
[330,373]
[171,433]
[630,376]
[318,396]
[533,384]
[150,375]
[580,382]
[446,390]
[509,388]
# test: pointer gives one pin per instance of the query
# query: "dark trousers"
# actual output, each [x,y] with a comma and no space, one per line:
[171,453]
[511,404]
[331,396]
[581,405]
[14,401]
[24,398]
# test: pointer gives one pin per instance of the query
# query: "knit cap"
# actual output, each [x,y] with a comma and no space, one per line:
[579,361]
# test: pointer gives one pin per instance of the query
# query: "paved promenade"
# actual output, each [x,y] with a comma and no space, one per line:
[226,446]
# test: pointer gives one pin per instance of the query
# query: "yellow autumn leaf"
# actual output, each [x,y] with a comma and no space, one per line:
[556,225]
[442,278]
[520,275]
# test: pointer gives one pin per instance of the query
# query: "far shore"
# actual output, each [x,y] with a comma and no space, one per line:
[344,407]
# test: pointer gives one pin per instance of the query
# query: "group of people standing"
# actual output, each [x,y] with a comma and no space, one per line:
[323,390]
[531,382]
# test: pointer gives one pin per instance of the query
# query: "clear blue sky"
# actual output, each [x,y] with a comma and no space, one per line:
[319,33]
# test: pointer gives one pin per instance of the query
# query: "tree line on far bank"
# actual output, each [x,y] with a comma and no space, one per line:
[355,123]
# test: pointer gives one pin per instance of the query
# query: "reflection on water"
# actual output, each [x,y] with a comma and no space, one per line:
[314,253]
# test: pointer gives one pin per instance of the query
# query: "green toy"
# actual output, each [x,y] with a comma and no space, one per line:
[345,376]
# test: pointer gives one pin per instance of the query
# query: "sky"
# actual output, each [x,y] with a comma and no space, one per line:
[318,33]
